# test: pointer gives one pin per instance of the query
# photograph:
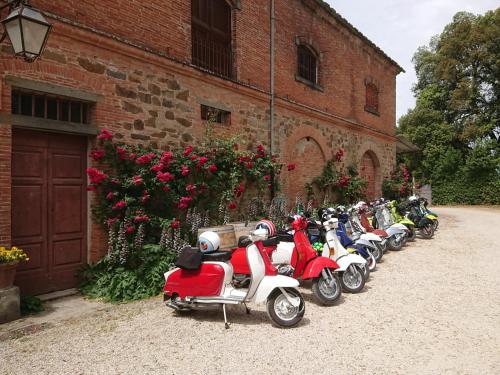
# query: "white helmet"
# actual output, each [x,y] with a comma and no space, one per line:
[209,242]
[413,198]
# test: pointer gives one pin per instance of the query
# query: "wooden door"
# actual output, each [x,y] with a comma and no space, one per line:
[49,209]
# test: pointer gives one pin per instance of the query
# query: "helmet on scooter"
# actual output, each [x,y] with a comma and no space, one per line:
[267,225]
[413,198]
[208,242]
[328,213]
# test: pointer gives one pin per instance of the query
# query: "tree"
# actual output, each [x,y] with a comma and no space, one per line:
[456,120]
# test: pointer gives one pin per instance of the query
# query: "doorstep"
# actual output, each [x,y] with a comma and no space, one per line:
[57,311]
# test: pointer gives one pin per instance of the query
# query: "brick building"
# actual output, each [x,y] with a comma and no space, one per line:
[151,72]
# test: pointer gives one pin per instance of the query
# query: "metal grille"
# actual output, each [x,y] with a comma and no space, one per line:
[308,68]
[49,107]
[371,98]
[211,36]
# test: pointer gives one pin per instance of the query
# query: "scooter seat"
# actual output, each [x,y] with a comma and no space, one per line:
[218,256]
[273,241]
[285,237]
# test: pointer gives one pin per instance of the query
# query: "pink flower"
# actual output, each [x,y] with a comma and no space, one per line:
[111,221]
[249,165]
[137,180]
[291,167]
[115,181]
[232,205]
[203,188]
[212,168]
[104,135]
[130,229]
[141,219]
[164,177]
[165,188]
[157,167]
[239,190]
[188,150]
[193,157]
[110,196]
[97,154]
[243,159]
[119,205]
[267,178]
[145,159]
[96,176]
[175,224]
[260,149]
[270,186]
[339,155]
[166,157]
[122,153]
[191,189]
[184,202]
[184,170]
[202,161]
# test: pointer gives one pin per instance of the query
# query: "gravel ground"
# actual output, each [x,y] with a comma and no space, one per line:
[433,308]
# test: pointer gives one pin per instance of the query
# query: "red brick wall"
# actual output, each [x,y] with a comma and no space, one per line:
[148,99]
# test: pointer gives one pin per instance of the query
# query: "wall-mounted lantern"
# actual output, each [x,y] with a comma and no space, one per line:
[27,29]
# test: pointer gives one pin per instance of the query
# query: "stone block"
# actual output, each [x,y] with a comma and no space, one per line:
[10,304]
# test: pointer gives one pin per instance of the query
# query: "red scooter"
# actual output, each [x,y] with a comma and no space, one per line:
[206,279]
[294,256]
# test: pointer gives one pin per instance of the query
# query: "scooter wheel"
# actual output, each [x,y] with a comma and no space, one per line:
[427,231]
[436,224]
[283,313]
[413,234]
[378,252]
[395,244]
[327,292]
[353,279]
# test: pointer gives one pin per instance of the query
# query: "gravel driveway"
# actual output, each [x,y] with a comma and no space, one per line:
[433,308]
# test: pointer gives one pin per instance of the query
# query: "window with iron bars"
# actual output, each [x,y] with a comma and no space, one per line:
[372,99]
[307,64]
[49,107]
[215,115]
[211,36]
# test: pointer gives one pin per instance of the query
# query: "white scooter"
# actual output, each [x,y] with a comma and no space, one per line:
[352,278]
[212,285]
[398,233]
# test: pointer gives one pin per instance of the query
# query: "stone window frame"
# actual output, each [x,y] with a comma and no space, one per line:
[372,97]
[307,43]
[220,110]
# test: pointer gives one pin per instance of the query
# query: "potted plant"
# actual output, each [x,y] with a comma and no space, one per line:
[9,259]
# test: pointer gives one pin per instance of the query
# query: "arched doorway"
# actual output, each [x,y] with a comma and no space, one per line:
[370,170]
[309,159]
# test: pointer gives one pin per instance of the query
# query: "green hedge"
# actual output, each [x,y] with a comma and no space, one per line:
[464,191]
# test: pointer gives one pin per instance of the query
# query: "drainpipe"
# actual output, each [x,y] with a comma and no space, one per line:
[271,122]
[271,90]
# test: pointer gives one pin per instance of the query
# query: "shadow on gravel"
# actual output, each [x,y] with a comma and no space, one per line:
[236,315]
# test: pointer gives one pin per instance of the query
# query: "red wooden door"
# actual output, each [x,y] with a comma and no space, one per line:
[49,209]
[368,171]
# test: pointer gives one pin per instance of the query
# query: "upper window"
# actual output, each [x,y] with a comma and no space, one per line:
[371,98]
[211,36]
[308,64]
[49,107]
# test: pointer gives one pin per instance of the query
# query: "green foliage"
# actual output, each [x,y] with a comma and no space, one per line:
[31,305]
[456,121]
[121,283]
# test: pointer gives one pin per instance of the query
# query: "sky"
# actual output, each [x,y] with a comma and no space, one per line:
[399,27]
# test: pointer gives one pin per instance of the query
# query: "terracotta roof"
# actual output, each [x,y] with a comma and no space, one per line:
[403,145]
[356,32]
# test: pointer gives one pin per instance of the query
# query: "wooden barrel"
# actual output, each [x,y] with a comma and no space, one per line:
[226,234]
[243,229]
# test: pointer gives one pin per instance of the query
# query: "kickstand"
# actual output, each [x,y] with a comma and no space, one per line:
[246,308]
[225,316]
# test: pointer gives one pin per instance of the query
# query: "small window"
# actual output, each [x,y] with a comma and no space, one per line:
[371,98]
[49,107]
[215,115]
[307,64]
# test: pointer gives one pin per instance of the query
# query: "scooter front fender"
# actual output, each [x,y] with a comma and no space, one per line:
[430,216]
[371,237]
[315,266]
[392,231]
[407,222]
[269,283]
[345,261]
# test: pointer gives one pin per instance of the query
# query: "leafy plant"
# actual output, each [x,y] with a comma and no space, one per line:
[121,283]
[31,305]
